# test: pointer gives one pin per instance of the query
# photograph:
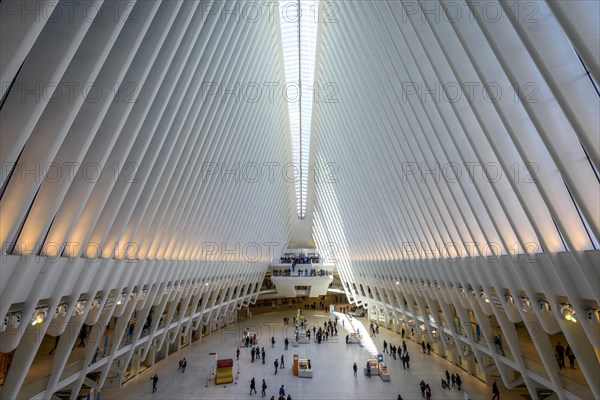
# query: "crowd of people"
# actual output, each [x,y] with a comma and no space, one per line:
[426,347]
[300,259]
[448,381]
[374,328]
[329,329]
[279,363]
[398,352]
[248,339]
[560,353]
[303,272]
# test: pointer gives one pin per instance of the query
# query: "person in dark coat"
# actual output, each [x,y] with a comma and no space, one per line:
[570,356]
[495,391]
[154,380]
[252,386]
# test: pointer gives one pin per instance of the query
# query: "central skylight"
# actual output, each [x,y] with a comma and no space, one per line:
[299,21]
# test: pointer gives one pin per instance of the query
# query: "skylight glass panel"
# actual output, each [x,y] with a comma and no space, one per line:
[299,22]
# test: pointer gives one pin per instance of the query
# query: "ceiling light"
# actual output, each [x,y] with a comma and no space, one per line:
[544,305]
[61,310]
[567,312]
[15,320]
[80,307]
[484,296]
[525,304]
[39,317]
[593,315]
[122,298]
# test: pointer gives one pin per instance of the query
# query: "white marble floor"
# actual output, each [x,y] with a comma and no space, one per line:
[331,362]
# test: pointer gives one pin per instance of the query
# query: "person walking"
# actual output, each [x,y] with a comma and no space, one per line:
[385,347]
[183,365]
[427,392]
[252,353]
[276,364]
[286,342]
[282,364]
[559,352]
[448,379]
[237,353]
[495,391]
[355,368]
[82,335]
[423,346]
[264,388]
[252,386]
[272,341]
[428,348]
[282,391]
[180,365]
[154,380]
[368,369]
[458,381]
[570,356]
[498,344]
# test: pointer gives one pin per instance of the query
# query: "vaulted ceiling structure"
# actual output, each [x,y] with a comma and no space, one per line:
[158,152]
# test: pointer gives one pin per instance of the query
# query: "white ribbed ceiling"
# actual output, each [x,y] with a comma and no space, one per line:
[458,129]
[440,131]
[174,134]
[467,128]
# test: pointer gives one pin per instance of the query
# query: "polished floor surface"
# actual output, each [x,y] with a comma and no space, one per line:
[331,362]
